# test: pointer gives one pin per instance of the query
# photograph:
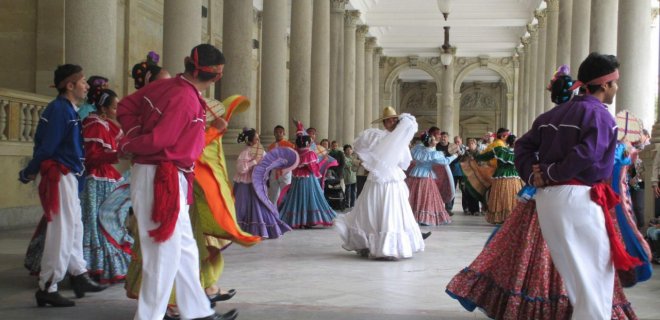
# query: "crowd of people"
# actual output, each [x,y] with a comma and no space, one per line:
[183,209]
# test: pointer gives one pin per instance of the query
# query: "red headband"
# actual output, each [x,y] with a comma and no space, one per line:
[598,81]
[209,69]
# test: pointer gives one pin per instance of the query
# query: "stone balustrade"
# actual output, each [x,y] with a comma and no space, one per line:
[19,114]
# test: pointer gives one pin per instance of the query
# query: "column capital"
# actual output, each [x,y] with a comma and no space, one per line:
[516,60]
[540,15]
[378,50]
[362,31]
[370,43]
[533,31]
[552,5]
[381,61]
[525,42]
[338,6]
[520,50]
[351,18]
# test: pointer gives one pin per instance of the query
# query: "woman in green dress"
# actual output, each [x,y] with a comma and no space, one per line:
[505,182]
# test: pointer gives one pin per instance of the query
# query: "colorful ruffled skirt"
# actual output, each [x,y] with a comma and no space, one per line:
[514,277]
[253,216]
[304,205]
[106,258]
[426,202]
[502,198]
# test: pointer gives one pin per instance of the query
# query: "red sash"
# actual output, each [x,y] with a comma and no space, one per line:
[166,201]
[49,191]
[606,198]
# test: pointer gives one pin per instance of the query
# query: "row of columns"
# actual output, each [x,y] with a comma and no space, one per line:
[334,89]
[567,31]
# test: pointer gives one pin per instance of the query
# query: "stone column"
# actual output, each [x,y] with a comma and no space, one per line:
[520,75]
[525,110]
[447,110]
[359,77]
[90,29]
[517,105]
[182,31]
[376,109]
[50,43]
[564,32]
[634,56]
[539,86]
[274,109]
[368,81]
[320,94]
[532,71]
[603,26]
[348,128]
[510,115]
[237,20]
[336,67]
[580,25]
[552,19]
[300,61]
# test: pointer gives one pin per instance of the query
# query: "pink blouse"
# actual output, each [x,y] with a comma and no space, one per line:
[308,164]
[244,166]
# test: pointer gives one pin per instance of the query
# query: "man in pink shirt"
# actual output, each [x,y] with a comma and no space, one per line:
[164,123]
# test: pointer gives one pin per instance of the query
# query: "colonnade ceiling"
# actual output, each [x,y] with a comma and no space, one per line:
[478,27]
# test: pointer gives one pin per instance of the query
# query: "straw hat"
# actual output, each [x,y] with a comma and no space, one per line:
[388,112]
[215,109]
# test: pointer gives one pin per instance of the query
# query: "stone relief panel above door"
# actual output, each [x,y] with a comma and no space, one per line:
[419,98]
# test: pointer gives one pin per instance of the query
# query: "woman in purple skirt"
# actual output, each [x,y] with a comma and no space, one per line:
[252,215]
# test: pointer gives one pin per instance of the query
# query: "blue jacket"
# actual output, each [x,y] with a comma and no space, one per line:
[58,137]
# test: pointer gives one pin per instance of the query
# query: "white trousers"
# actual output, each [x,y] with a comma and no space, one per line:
[164,263]
[574,228]
[63,244]
[277,184]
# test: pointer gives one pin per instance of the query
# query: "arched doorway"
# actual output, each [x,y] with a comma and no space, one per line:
[483,98]
[414,86]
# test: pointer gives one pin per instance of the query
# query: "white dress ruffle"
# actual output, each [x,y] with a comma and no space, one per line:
[382,219]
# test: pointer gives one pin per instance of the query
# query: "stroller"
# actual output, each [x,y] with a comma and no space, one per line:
[333,191]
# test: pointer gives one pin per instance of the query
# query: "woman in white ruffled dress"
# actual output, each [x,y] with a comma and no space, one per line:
[382,225]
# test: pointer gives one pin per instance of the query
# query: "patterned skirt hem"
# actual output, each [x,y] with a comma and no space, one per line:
[473,289]
[476,290]
[432,218]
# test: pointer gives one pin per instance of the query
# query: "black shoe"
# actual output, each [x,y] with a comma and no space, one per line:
[83,283]
[364,253]
[222,296]
[52,298]
[230,315]
[426,235]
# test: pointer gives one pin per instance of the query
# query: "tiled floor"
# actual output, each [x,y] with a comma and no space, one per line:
[305,275]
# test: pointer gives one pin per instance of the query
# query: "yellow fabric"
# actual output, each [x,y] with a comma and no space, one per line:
[502,199]
[490,147]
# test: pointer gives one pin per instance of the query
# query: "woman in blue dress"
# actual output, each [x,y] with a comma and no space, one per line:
[425,199]
[304,205]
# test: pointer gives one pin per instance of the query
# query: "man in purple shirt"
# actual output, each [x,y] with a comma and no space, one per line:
[568,150]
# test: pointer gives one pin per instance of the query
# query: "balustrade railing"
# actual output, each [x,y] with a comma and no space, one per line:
[19,114]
